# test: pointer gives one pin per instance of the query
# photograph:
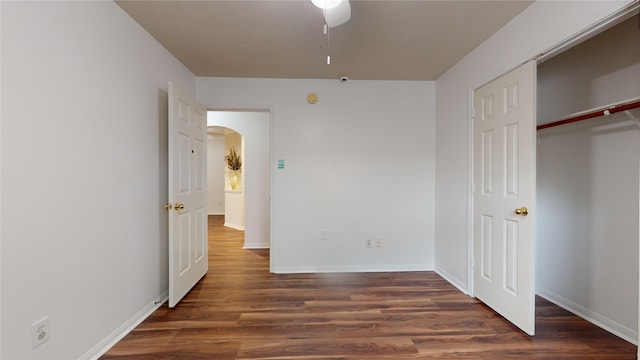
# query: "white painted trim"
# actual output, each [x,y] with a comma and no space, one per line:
[234,226]
[594,29]
[470,202]
[349,268]
[256,246]
[0,199]
[272,164]
[452,280]
[118,334]
[597,319]
[216,214]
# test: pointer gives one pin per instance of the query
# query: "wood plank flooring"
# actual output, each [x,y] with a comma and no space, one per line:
[241,311]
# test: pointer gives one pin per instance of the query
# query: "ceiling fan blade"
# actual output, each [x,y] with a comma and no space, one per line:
[338,15]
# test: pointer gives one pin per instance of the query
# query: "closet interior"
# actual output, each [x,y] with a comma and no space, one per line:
[588,179]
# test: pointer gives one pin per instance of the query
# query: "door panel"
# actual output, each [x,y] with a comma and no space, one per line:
[188,248]
[486,244]
[504,180]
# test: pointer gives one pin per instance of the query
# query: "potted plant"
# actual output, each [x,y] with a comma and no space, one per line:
[234,164]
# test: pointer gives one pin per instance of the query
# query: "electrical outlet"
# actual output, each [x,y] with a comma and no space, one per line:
[378,243]
[367,243]
[323,235]
[40,332]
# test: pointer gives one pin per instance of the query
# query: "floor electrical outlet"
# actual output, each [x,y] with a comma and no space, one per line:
[40,332]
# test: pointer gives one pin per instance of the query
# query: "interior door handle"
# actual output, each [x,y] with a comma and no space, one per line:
[178,206]
[522,211]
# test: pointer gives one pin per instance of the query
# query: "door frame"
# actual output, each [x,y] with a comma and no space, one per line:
[269,163]
[589,32]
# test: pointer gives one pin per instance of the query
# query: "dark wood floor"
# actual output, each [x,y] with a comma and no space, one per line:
[241,311]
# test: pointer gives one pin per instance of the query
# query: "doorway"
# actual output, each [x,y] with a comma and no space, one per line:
[588,175]
[254,126]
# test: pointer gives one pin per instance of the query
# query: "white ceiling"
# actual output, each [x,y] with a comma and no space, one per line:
[384,40]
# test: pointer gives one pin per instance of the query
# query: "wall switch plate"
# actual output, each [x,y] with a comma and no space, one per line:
[323,234]
[40,332]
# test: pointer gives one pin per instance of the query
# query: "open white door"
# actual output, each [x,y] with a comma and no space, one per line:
[504,195]
[188,249]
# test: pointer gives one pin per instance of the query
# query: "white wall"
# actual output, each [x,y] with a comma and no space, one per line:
[84,143]
[254,127]
[540,27]
[587,244]
[215,174]
[358,164]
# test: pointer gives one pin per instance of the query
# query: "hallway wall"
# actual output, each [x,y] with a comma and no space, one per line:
[215,175]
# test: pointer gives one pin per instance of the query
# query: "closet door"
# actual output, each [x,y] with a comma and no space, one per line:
[504,195]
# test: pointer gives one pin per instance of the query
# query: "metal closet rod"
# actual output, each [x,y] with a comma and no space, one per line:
[604,112]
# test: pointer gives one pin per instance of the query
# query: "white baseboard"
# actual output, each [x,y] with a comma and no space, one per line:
[216,214]
[603,322]
[349,268]
[234,226]
[453,280]
[107,343]
[257,246]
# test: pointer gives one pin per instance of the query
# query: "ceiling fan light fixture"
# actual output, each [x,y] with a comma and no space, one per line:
[326,4]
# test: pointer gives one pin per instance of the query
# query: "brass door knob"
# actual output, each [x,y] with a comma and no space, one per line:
[522,211]
[178,206]
[168,206]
